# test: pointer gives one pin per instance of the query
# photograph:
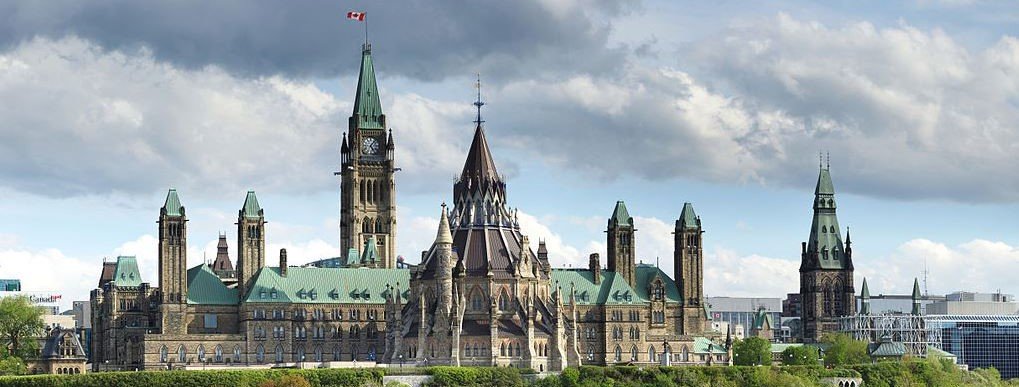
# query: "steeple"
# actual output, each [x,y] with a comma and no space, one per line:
[824,248]
[222,266]
[370,256]
[865,299]
[444,236]
[251,209]
[172,206]
[367,107]
[172,250]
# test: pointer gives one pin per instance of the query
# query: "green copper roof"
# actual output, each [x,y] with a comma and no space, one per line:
[126,272]
[763,318]
[613,289]
[688,218]
[367,106]
[865,293]
[321,285]
[916,289]
[251,208]
[620,216]
[887,348]
[371,252]
[824,185]
[172,204]
[825,249]
[205,288]
[353,257]
[705,345]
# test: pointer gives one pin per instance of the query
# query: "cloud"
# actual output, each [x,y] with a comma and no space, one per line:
[906,113]
[123,122]
[978,265]
[728,273]
[423,40]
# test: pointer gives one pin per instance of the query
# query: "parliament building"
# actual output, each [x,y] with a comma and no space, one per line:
[480,295]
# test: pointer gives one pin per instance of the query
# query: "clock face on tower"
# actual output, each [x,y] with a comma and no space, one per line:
[370,145]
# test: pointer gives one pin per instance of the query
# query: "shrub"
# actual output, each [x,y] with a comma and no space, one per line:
[475,376]
[243,378]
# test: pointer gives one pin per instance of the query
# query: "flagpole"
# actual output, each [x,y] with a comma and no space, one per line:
[366,29]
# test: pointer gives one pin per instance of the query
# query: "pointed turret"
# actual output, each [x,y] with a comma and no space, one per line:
[824,248]
[367,106]
[865,299]
[172,206]
[222,266]
[444,236]
[620,215]
[916,297]
[251,209]
[688,218]
[479,163]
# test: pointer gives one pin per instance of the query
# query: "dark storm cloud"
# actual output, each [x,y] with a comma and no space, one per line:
[425,40]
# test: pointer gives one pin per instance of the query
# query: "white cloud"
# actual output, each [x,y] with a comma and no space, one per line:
[121,121]
[978,265]
[728,273]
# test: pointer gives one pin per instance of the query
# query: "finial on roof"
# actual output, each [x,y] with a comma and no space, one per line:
[820,159]
[828,160]
[478,103]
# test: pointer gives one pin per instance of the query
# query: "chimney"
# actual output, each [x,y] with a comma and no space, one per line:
[594,264]
[283,262]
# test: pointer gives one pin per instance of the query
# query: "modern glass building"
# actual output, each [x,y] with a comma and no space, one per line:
[981,341]
[10,285]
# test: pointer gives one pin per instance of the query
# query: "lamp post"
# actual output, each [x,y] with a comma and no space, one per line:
[401,361]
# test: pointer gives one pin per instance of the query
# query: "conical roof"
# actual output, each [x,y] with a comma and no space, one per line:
[367,106]
[444,235]
[479,159]
[824,184]
[916,289]
[865,293]
[172,204]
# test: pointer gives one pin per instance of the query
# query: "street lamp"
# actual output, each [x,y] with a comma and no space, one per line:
[401,361]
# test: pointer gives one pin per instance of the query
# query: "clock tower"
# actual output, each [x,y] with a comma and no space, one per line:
[367,184]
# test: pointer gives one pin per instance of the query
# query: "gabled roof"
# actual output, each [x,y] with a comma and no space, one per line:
[479,162]
[52,345]
[206,288]
[172,204]
[251,209]
[705,345]
[688,218]
[367,106]
[613,289]
[620,216]
[887,348]
[126,272]
[326,285]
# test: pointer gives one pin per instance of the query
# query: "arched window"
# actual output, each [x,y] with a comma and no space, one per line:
[651,354]
[686,354]
[163,354]
[477,302]
[362,191]
[218,354]
[477,350]
[619,353]
[336,352]
[633,353]
[518,349]
[503,300]
[299,353]
[379,225]
[828,299]
[279,353]
[318,353]
[502,349]
[201,352]
[260,354]
[237,354]
[182,354]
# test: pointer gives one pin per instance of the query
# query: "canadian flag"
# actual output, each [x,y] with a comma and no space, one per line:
[359,16]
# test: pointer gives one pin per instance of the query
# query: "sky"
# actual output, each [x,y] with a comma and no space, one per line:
[106,104]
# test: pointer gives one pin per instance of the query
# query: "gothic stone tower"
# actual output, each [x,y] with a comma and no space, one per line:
[173,247]
[620,241]
[826,268]
[688,266]
[368,187]
[250,242]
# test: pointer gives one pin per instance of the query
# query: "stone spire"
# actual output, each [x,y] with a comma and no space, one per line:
[620,242]
[444,236]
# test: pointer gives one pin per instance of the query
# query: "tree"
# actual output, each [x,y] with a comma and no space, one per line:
[12,366]
[843,350]
[752,351]
[799,355]
[20,323]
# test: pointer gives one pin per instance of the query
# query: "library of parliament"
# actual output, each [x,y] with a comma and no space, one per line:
[480,295]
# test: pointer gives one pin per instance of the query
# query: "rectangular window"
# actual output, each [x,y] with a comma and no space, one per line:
[211,321]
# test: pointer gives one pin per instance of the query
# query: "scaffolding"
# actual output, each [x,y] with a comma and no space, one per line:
[912,331]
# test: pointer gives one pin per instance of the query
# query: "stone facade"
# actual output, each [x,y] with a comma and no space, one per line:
[480,296]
